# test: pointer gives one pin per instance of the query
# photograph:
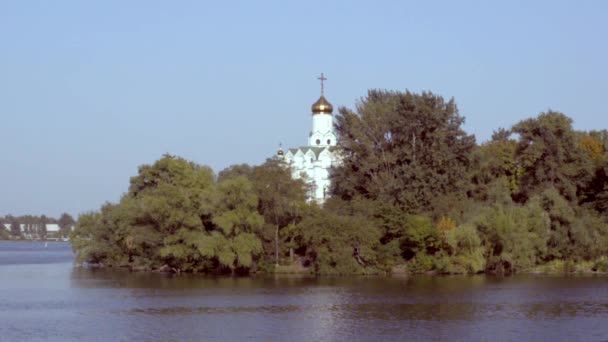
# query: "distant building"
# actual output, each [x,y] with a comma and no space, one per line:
[32,231]
[313,162]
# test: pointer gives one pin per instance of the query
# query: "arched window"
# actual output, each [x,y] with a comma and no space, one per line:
[328,141]
[318,141]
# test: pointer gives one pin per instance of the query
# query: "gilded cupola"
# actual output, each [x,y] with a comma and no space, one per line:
[322,106]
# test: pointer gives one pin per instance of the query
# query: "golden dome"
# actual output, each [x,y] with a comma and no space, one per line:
[322,106]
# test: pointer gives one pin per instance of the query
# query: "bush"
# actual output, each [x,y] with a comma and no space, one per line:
[422,263]
[601,265]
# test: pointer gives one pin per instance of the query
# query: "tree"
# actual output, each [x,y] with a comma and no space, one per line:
[66,222]
[514,236]
[595,195]
[4,234]
[233,242]
[234,171]
[338,244]
[465,251]
[550,155]
[495,161]
[41,227]
[281,199]
[169,204]
[15,228]
[96,237]
[402,148]
[158,222]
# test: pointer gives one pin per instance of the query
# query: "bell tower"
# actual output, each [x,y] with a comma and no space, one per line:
[322,133]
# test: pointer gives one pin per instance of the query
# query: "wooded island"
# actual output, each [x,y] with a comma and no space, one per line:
[414,193]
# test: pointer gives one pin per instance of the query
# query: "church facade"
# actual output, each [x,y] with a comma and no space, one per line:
[313,162]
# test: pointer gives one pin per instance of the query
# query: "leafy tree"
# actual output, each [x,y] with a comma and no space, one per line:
[593,145]
[281,199]
[234,243]
[234,171]
[465,251]
[4,234]
[404,149]
[550,155]
[495,161]
[514,237]
[96,237]
[15,227]
[170,201]
[65,222]
[41,227]
[576,233]
[595,194]
[156,223]
[337,244]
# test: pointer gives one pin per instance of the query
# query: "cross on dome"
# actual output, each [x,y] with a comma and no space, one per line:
[323,79]
[322,106]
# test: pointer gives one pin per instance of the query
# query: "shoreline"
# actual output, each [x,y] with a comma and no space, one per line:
[305,273]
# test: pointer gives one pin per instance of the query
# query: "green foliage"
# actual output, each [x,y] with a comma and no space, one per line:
[576,233]
[495,161]
[513,235]
[4,234]
[95,237]
[338,244]
[65,222]
[413,193]
[418,235]
[154,224]
[234,171]
[281,200]
[425,263]
[41,227]
[550,155]
[568,266]
[234,243]
[403,149]
[465,250]
[15,228]
[595,194]
[601,265]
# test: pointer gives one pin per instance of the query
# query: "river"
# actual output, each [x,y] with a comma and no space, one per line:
[44,298]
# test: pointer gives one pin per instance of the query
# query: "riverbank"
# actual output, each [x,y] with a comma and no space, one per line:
[553,268]
[599,266]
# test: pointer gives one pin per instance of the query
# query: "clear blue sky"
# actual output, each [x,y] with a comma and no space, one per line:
[90,90]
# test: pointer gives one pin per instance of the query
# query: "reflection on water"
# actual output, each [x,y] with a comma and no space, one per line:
[54,301]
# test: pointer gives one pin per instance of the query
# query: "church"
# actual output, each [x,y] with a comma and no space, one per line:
[313,162]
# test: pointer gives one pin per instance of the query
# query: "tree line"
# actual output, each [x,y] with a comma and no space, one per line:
[414,193]
[33,226]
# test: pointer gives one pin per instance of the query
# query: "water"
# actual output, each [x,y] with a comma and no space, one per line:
[42,297]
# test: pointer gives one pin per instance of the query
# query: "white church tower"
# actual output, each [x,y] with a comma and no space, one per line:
[312,162]
[322,133]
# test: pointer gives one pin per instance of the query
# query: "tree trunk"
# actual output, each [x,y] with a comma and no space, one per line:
[276,246]
[358,256]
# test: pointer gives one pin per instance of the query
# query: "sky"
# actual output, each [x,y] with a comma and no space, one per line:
[90,90]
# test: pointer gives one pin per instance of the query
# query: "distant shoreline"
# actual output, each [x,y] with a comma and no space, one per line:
[32,241]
